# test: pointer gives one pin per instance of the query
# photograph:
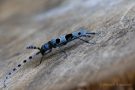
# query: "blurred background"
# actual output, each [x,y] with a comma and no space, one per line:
[25,22]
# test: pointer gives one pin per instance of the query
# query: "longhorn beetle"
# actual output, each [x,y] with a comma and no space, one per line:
[54,43]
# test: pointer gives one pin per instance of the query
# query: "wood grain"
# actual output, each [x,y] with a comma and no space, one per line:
[108,65]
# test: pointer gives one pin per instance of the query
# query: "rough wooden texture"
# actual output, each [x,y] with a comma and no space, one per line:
[108,65]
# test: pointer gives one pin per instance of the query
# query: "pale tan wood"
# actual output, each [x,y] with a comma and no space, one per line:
[110,62]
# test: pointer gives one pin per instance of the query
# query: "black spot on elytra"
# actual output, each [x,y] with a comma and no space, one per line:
[57,40]
[6,77]
[79,33]
[19,65]
[24,61]
[69,37]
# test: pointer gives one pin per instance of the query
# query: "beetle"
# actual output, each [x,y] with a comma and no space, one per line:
[54,43]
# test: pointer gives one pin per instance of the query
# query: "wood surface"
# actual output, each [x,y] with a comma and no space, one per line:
[107,65]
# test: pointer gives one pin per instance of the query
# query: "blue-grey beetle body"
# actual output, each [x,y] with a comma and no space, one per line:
[63,40]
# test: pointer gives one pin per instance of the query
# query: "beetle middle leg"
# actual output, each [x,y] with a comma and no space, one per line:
[87,41]
[63,52]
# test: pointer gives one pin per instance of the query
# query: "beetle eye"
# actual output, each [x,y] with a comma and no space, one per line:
[57,40]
